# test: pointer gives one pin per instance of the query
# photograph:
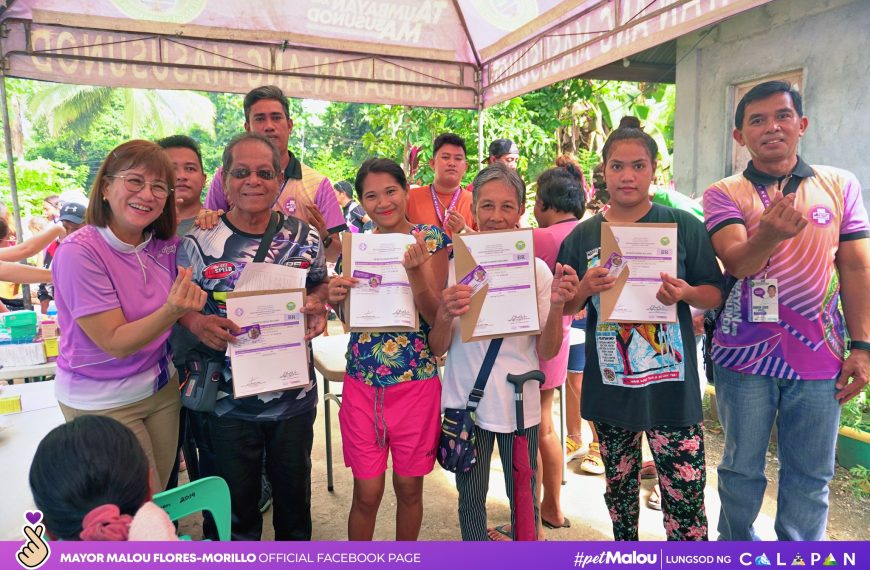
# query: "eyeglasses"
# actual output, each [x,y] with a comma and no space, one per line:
[263,174]
[135,183]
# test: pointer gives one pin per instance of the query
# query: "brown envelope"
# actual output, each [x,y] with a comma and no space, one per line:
[464,263]
[346,257]
[608,245]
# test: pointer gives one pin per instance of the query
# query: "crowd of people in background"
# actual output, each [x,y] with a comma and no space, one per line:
[135,300]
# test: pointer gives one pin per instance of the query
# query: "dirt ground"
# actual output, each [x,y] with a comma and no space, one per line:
[581,498]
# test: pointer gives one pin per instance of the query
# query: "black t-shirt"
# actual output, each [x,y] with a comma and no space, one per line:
[642,375]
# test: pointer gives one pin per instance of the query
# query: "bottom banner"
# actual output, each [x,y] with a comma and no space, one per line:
[35,553]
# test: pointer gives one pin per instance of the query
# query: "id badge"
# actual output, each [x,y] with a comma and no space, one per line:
[764,301]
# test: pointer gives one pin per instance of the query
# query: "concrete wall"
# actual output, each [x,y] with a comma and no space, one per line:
[829,40]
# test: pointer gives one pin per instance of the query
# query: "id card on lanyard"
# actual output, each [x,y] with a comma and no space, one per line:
[764,292]
[436,203]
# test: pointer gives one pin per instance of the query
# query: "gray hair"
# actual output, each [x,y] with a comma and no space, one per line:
[227,159]
[498,171]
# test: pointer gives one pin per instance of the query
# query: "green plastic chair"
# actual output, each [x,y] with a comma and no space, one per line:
[207,494]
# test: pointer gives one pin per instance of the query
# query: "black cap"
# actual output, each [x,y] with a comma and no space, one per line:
[501,147]
[72,212]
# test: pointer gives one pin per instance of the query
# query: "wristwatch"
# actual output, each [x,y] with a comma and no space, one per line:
[327,241]
[859,345]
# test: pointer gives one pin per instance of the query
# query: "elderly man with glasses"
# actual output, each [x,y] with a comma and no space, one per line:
[278,427]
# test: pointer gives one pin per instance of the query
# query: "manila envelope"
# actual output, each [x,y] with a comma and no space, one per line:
[609,245]
[346,257]
[464,264]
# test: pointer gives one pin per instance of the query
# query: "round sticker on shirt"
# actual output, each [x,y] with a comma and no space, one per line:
[820,215]
[290,205]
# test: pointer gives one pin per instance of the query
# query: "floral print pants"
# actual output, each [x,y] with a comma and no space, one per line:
[679,457]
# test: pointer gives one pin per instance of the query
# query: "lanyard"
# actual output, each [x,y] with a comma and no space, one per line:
[436,203]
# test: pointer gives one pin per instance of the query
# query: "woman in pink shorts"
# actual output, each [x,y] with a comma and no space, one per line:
[391,402]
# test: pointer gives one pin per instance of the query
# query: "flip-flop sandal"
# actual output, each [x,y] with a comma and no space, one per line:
[548,524]
[592,462]
[502,534]
[648,470]
[654,501]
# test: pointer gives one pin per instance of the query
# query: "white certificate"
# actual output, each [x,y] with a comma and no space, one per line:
[509,305]
[382,299]
[270,354]
[637,255]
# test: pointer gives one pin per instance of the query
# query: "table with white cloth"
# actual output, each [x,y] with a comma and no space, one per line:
[20,434]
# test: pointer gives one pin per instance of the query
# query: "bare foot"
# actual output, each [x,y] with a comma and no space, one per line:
[501,533]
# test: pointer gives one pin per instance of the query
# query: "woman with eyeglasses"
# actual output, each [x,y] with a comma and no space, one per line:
[118,292]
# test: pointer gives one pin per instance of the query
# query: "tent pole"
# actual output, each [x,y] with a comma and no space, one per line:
[480,142]
[13,187]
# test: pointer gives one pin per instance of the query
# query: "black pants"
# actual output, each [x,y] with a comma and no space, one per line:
[239,446]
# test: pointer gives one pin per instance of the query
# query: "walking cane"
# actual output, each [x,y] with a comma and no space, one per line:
[524,502]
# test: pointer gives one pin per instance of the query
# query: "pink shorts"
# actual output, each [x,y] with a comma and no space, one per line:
[408,427]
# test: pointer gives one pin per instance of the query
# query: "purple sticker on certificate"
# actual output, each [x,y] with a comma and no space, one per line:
[247,334]
[476,279]
[371,280]
[614,264]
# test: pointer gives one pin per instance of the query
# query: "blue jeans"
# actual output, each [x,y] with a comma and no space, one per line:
[807,417]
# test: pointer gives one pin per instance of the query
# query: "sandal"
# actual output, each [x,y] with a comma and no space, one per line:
[654,501]
[592,462]
[648,470]
[500,533]
[572,447]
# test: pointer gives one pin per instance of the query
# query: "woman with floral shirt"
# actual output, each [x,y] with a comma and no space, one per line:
[391,403]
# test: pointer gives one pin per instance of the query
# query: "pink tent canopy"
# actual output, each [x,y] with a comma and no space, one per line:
[436,53]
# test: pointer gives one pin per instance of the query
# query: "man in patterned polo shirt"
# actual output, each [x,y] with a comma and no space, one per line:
[800,231]
[305,193]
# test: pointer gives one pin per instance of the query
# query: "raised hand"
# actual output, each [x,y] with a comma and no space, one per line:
[565,286]
[456,301]
[672,290]
[339,289]
[185,295]
[207,219]
[454,222]
[315,219]
[595,281]
[35,551]
[315,316]
[417,254]
[781,220]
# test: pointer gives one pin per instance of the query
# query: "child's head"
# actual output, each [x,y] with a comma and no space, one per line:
[89,477]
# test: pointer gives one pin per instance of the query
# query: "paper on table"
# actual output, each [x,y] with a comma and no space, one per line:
[270,277]
[276,357]
[383,299]
[510,303]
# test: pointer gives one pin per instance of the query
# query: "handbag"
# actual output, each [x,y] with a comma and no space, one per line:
[205,366]
[456,451]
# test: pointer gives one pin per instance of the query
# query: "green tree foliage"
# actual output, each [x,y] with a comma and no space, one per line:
[39,178]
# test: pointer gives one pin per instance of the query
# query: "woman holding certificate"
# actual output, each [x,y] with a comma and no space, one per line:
[498,198]
[392,393]
[641,377]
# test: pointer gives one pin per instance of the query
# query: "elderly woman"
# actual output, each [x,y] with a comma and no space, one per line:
[498,199]
[278,425]
[118,293]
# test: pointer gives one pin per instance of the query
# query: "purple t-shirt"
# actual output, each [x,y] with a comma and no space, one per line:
[808,340]
[94,272]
